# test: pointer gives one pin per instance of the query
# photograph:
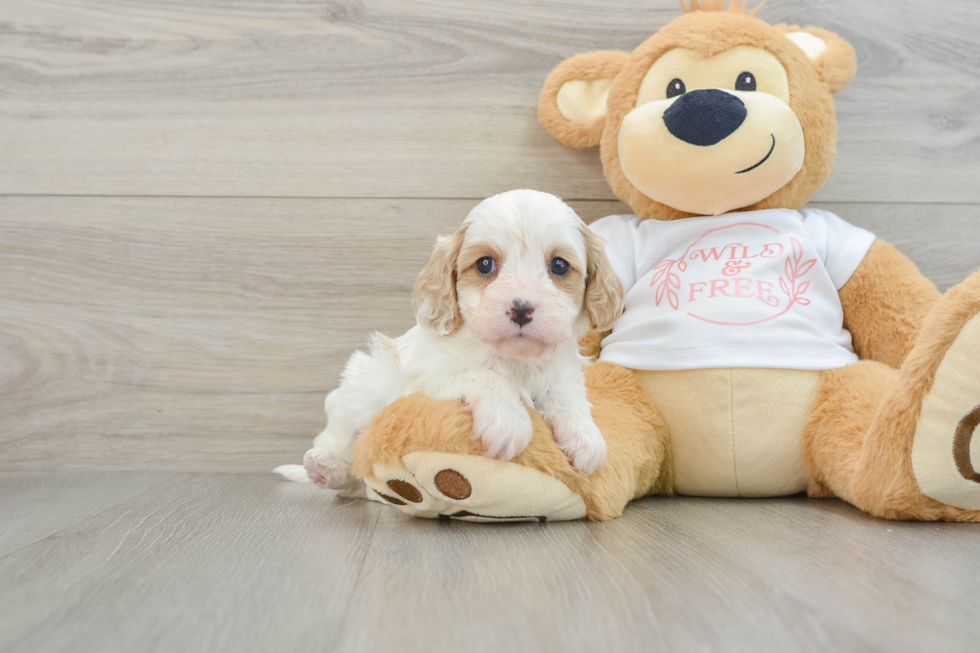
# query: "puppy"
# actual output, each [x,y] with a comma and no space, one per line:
[500,308]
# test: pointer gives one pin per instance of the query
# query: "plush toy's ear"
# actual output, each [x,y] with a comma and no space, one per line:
[573,101]
[833,58]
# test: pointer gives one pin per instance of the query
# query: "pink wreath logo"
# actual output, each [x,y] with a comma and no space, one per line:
[741,278]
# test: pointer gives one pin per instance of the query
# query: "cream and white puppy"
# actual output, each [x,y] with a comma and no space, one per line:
[500,308]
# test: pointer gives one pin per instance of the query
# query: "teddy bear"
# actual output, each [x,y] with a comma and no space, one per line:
[766,349]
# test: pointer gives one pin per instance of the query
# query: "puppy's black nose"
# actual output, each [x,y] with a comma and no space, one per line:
[705,117]
[520,312]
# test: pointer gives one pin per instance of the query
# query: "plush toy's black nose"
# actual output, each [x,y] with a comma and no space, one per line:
[705,117]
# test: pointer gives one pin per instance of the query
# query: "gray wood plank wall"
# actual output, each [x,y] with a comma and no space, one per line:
[205,207]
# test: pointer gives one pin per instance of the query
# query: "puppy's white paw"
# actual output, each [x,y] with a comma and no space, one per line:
[582,442]
[327,469]
[502,425]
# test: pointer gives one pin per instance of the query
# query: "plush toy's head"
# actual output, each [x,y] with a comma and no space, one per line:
[717,112]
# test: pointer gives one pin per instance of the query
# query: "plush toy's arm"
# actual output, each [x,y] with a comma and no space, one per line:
[885,302]
[416,433]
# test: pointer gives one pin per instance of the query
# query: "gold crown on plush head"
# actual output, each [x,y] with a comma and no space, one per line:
[734,6]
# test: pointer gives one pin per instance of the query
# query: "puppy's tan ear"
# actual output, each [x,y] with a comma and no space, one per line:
[436,306]
[573,101]
[604,296]
[832,57]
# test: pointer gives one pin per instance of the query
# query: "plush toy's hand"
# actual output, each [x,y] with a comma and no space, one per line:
[501,423]
[474,488]
[419,454]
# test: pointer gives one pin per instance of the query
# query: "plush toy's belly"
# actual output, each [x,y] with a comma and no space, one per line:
[735,432]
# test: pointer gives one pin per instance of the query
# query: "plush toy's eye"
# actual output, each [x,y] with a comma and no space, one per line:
[559,267]
[745,82]
[486,266]
[675,88]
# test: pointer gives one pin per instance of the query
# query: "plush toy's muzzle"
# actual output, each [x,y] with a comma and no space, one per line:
[711,151]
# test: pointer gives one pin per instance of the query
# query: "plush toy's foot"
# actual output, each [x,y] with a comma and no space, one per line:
[900,443]
[421,456]
[473,488]
[943,461]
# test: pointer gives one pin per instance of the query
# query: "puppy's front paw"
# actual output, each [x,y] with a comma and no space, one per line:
[502,425]
[327,469]
[582,442]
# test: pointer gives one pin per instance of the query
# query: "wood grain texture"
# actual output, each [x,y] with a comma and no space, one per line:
[248,563]
[203,334]
[413,98]
[36,505]
[201,563]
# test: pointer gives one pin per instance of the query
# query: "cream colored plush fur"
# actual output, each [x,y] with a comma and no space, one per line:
[735,432]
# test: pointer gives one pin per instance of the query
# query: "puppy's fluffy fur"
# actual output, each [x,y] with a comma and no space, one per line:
[498,327]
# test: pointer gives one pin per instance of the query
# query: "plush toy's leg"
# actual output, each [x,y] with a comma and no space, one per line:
[420,455]
[897,443]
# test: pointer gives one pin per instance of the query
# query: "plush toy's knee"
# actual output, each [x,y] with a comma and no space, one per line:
[839,422]
[416,433]
[900,443]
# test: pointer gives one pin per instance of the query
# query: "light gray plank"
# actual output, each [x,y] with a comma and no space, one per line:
[204,563]
[250,563]
[904,586]
[627,585]
[33,505]
[203,334]
[412,98]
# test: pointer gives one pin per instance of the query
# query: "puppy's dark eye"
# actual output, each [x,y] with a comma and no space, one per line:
[675,88]
[559,267]
[745,82]
[486,266]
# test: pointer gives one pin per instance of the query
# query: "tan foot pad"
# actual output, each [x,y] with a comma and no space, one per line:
[946,449]
[440,485]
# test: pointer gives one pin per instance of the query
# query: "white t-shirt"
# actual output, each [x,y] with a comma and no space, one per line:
[753,289]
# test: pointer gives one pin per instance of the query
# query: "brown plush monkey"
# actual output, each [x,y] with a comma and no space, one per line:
[766,349]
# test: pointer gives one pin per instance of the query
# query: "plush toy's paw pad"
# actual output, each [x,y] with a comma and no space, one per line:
[945,453]
[327,470]
[472,488]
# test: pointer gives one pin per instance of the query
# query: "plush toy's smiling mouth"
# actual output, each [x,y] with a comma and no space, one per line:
[771,150]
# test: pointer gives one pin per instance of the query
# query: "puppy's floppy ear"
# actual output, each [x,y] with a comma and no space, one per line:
[832,57]
[436,306]
[604,296]
[573,101]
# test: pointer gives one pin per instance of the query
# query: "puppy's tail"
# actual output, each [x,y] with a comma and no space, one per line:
[294,473]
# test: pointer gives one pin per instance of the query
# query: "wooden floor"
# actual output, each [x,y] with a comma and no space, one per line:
[244,562]
[205,206]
